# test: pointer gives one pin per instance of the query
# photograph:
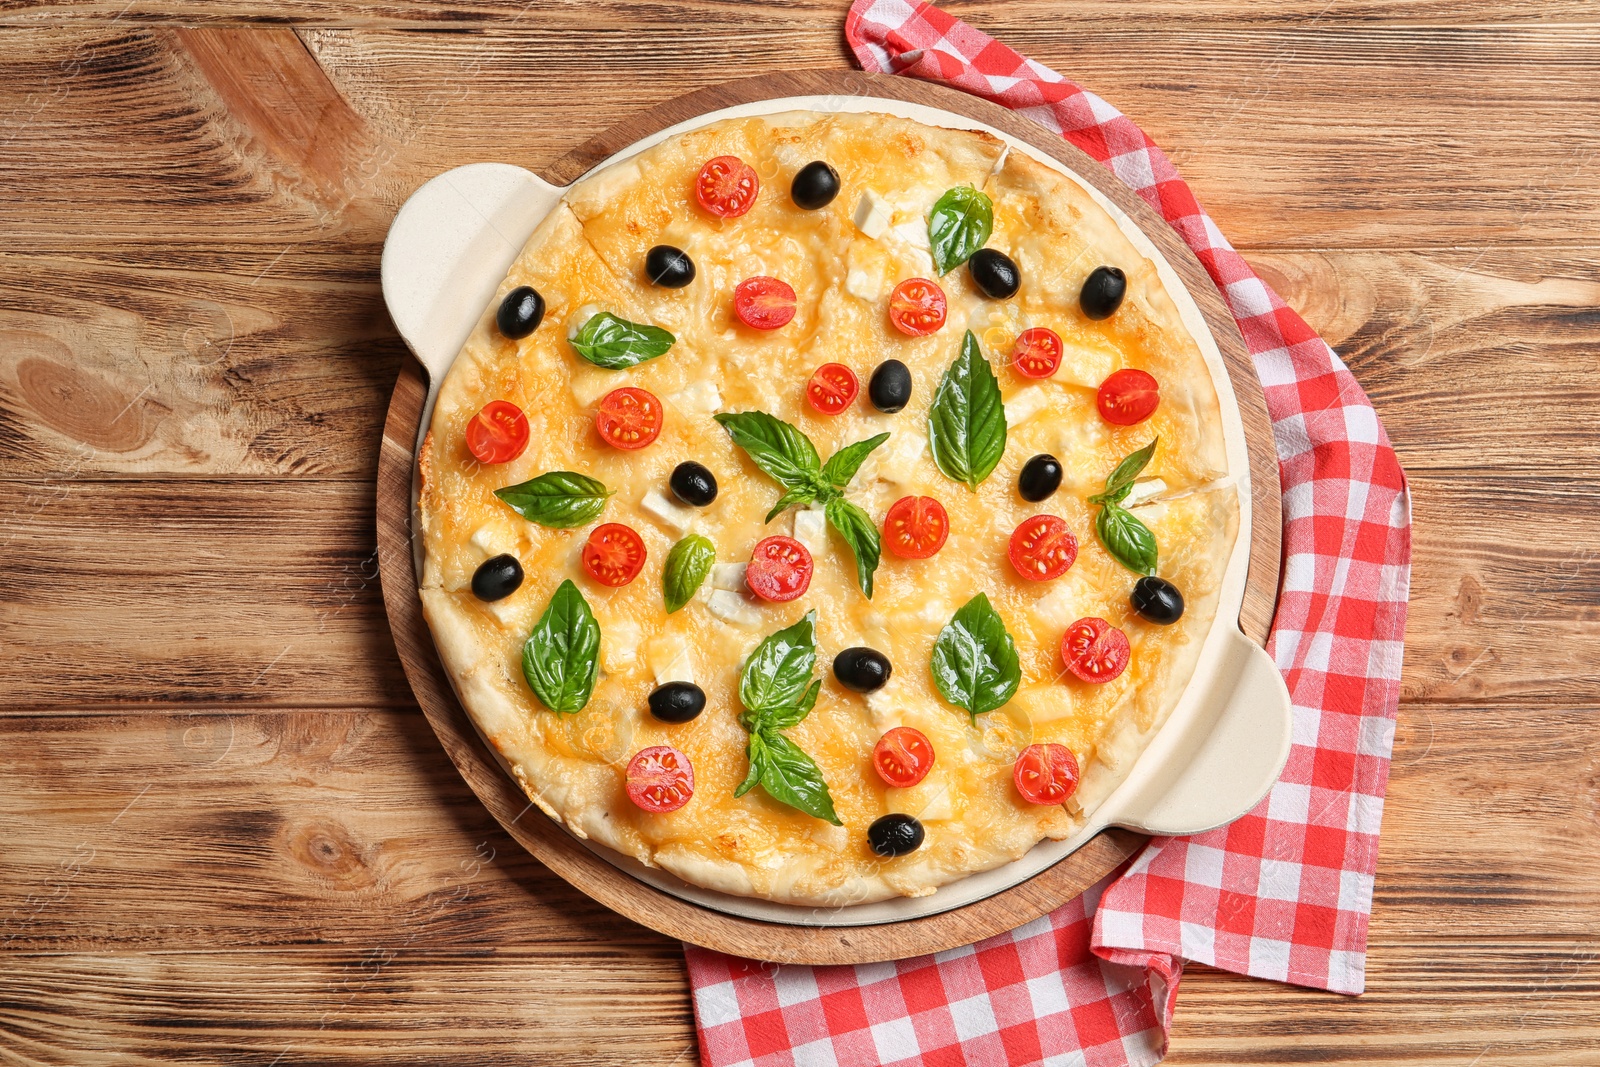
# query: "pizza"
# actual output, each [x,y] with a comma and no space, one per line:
[826,507]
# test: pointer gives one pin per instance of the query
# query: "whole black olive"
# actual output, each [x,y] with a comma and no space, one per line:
[520,312]
[496,578]
[862,669]
[815,186]
[890,386]
[1157,600]
[1041,476]
[995,273]
[668,267]
[895,835]
[1102,293]
[693,484]
[677,701]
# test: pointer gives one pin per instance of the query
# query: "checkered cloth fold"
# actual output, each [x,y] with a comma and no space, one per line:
[1284,892]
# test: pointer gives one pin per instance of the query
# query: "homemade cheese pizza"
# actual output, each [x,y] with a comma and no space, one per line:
[827,507]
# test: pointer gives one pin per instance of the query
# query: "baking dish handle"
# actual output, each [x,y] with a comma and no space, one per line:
[1240,751]
[448,248]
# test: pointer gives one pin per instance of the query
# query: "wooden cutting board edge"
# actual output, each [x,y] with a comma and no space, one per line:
[548,841]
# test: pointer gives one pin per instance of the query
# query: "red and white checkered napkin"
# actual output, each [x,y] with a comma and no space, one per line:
[1282,893]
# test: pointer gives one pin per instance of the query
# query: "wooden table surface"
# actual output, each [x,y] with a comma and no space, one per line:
[226,833]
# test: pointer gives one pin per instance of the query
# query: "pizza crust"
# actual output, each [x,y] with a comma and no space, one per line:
[585,256]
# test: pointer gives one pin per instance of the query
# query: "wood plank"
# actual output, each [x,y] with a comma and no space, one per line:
[114,365]
[222,828]
[1279,130]
[172,592]
[1522,1001]
[269,598]
[1000,17]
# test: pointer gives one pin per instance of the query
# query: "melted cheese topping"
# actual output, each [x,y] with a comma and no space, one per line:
[589,255]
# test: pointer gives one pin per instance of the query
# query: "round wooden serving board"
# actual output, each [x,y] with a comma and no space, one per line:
[778,942]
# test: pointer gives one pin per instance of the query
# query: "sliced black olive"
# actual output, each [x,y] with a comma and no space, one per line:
[862,669]
[668,267]
[895,835]
[1041,476]
[815,186]
[1102,293]
[995,273]
[890,386]
[520,312]
[1157,600]
[693,484]
[496,578]
[677,701]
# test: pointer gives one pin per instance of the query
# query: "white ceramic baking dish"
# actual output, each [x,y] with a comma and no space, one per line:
[1226,740]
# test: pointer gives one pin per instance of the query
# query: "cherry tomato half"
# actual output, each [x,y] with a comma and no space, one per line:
[763,303]
[726,186]
[916,527]
[1042,548]
[1094,650]
[629,418]
[903,757]
[1037,352]
[1127,397]
[660,779]
[614,554]
[498,433]
[779,570]
[1046,774]
[832,389]
[917,307]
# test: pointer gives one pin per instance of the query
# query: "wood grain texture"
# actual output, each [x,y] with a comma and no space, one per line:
[1414,175]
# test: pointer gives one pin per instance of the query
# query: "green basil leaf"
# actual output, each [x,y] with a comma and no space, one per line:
[782,451]
[783,718]
[778,672]
[561,499]
[967,422]
[791,777]
[843,464]
[1120,483]
[562,654]
[958,226]
[687,566]
[858,531]
[756,750]
[975,663]
[800,494]
[610,341]
[1129,541]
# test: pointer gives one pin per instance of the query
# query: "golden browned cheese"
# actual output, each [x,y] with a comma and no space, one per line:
[588,256]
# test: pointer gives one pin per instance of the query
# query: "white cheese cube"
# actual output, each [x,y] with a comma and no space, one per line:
[1058,608]
[576,322]
[1025,404]
[884,709]
[508,611]
[700,398]
[673,516]
[491,540]
[862,284]
[872,214]
[914,233]
[619,645]
[668,656]
[896,460]
[811,530]
[733,607]
[729,576]
[1142,490]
